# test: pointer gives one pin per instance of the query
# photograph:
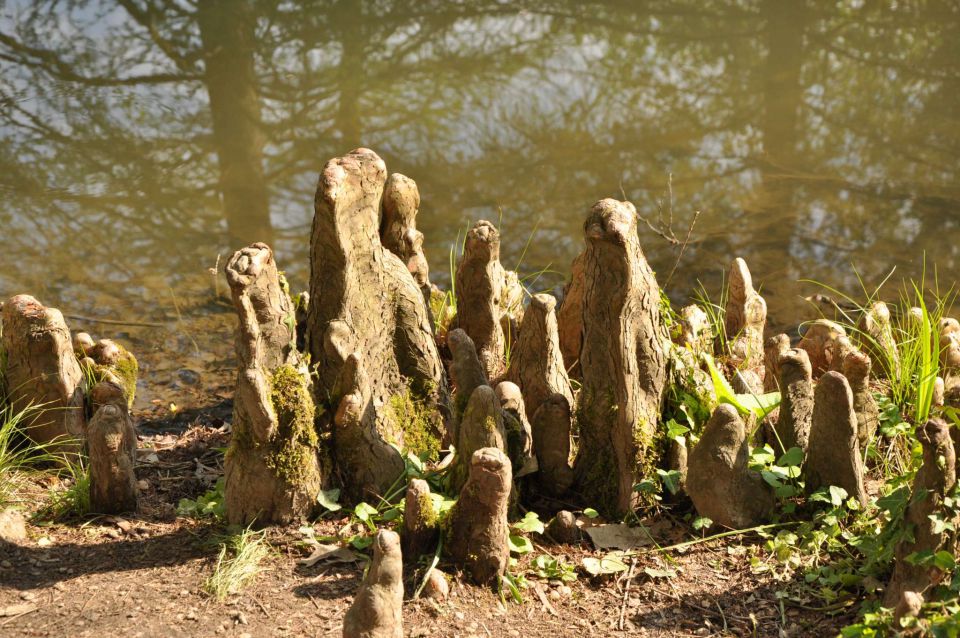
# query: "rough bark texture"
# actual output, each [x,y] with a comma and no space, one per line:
[826,344]
[42,369]
[480,290]
[536,363]
[398,228]
[368,329]
[516,426]
[856,368]
[833,455]
[478,532]
[745,319]
[112,447]
[466,373]
[570,318]
[272,473]
[796,407]
[774,348]
[876,339]
[695,330]
[719,482]
[623,360]
[419,521]
[377,609]
[481,427]
[934,483]
[551,444]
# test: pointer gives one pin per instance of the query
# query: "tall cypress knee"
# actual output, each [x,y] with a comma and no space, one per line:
[623,360]
[366,306]
[273,472]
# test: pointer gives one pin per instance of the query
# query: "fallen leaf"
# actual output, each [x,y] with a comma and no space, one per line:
[17,610]
[329,554]
[617,536]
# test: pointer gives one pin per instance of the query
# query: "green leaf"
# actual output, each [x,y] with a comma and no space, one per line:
[361,542]
[702,522]
[944,560]
[520,544]
[328,499]
[530,523]
[676,430]
[365,512]
[758,404]
[670,480]
[791,458]
[591,513]
[837,495]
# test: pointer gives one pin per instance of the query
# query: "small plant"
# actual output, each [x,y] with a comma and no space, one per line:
[238,563]
[208,505]
[552,568]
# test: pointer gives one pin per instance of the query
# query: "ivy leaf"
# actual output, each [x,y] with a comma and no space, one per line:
[365,512]
[611,563]
[530,523]
[670,480]
[520,544]
[329,498]
[944,560]
[837,495]
[791,458]
[676,430]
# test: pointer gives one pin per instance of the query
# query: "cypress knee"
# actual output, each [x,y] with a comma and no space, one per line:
[42,370]
[536,363]
[481,427]
[745,319]
[833,454]
[719,480]
[623,361]
[551,445]
[570,318]
[273,473]
[366,305]
[933,484]
[477,527]
[377,609]
[796,408]
[480,291]
[112,446]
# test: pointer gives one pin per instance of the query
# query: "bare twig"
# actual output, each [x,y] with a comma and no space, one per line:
[626,593]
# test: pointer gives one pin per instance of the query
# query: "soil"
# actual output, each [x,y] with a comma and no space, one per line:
[143,575]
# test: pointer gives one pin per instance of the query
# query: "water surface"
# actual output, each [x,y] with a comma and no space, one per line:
[143,142]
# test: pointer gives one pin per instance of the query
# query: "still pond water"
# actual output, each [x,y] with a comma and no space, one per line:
[143,142]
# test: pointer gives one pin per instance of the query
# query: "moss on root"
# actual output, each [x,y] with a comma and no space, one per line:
[295,433]
[419,424]
[127,369]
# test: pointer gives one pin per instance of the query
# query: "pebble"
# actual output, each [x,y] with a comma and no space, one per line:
[6,564]
[188,376]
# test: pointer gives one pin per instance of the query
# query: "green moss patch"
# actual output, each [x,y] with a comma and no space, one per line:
[420,425]
[295,440]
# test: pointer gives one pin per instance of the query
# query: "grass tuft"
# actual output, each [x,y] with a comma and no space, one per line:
[238,563]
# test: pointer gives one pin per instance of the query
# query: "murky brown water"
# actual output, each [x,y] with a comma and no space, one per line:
[138,147]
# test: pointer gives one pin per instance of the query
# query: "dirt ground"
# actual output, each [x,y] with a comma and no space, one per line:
[143,575]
